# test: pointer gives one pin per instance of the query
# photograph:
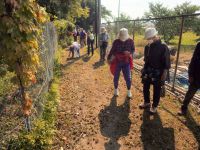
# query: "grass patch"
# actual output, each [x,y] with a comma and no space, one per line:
[6,86]
[41,136]
[188,38]
[140,41]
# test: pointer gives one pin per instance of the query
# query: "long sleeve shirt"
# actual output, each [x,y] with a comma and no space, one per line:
[120,47]
[157,56]
[104,37]
[194,67]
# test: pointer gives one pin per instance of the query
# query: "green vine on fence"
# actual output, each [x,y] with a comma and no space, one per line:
[20,26]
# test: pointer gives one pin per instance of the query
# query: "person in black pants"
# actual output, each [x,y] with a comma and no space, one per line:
[194,80]
[103,43]
[157,64]
[90,42]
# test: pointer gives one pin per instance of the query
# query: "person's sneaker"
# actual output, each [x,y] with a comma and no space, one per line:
[144,105]
[116,92]
[182,113]
[153,110]
[129,94]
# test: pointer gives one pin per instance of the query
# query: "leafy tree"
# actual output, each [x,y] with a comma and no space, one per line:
[67,12]
[186,9]
[65,9]
[167,28]
[90,21]
[106,14]
[192,22]
[196,27]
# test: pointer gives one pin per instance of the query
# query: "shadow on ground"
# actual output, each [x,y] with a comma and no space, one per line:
[71,61]
[114,122]
[98,64]
[190,123]
[154,135]
[86,58]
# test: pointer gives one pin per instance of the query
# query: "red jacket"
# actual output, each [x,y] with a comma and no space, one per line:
[119,57]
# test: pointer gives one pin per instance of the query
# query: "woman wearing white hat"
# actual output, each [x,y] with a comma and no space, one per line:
[120,59]
[156,65]
[103,43]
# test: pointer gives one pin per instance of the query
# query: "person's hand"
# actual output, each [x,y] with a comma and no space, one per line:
[164,75]
[109,61]
[191,80]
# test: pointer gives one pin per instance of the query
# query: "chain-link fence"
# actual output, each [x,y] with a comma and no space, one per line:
[11,117]
[180,33]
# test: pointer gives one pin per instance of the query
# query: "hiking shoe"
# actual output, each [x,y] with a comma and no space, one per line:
[182,113]
[153,110]
[116,92]
[144,105]
[129,94]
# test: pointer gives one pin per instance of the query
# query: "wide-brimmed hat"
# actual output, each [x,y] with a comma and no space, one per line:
[123,34]
[103,29]
[150,33]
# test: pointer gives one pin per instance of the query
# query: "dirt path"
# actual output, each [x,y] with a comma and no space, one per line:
[89,118]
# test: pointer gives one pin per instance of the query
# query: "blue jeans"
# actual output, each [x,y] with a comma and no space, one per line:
[125,67]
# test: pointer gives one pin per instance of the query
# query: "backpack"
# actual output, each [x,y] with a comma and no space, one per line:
[82,34]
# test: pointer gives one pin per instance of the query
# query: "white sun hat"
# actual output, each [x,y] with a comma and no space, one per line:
[150,32]
[123,34]
[103,29]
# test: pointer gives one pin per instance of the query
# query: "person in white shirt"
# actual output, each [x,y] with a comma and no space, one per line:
[77,47]
[90,42]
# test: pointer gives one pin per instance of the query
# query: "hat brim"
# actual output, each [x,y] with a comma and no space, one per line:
[148,37]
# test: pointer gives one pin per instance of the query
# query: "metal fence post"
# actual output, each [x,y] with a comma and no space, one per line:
[178,52]
[134,30]
[28,123]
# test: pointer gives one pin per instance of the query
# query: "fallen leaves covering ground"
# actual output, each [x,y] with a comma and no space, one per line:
[90,118]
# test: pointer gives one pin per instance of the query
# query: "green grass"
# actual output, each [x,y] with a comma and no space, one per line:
[188,38]
[6,86]
[140,41]
[43,129]
[188,43]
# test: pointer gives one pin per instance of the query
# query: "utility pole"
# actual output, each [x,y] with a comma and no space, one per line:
[99,19]
[118,14]
[96,23]
[119,9]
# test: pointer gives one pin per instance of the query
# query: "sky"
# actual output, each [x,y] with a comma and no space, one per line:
[136,8]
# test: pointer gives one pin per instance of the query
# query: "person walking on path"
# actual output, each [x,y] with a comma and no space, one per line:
[156,65]
[120,59]
[83,36]
[90,43]
[75,34]
[103,43]
[194,80]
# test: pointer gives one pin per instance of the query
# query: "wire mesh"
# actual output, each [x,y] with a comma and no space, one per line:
[11,114]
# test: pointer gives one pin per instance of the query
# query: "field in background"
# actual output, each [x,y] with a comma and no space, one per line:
[189,41]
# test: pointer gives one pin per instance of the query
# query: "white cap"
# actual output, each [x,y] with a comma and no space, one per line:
[103,29]
[150,32]
[123,34]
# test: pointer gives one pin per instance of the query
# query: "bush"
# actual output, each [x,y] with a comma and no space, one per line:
[64,30]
